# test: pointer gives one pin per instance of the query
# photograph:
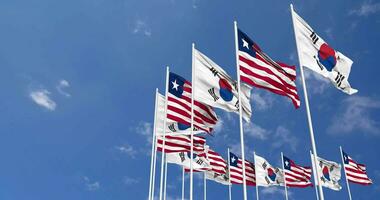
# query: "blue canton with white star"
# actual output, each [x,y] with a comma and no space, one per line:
[176,83]
[245,44]
[345,158]
[287,163]
[233,160]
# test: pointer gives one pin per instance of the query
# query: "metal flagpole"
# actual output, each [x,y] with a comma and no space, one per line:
[192,121]
[315,177]
[154,167]
[257,187]
[307,106]
[240,113]
[229,175]
[183,183]
[283,170]
[166,179]
[204,186]
[163,139]
[345,174]
[153,147]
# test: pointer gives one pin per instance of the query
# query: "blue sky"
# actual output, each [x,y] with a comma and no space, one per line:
[78,80]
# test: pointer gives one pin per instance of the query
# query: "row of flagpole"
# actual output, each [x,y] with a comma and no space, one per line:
[163,176]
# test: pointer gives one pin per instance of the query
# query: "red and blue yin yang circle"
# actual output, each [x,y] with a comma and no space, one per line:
[182,126]
[326,173]
[271,174]
[225,90]
[326,56]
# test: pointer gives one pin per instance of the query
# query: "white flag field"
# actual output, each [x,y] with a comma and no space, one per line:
[217,89]
[328,173]
[183,159]
[315,54]
[266,174]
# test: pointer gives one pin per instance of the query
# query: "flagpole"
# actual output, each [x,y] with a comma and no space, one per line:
[314,148]
[315,176]
[257,187]
[192,121]
[153,147]
[204,186]
[183,183]
[164,128]
[229,175]
[154,168]
[240,113]
[345,174]
[283,170]
[166,175]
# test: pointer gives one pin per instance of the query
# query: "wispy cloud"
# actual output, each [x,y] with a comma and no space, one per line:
[145,129]
[91,186]
[366,8]
[61,86]
[256,131]
[127,149]
[283,137]
[269,191]
[354,114]
[317,83]
[130,180]
[262,100]
[41,97]
[141,27]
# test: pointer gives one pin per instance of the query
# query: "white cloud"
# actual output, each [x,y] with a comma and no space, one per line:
[130,181]
[262,100]
[145,129]
[61,86]
[366,8]
[141,27]
[274,190]
[316,84]
[354,114]
[283,137]
[329,33]
[219,126]
[127,149]
[91,186]
[41,98]
[256,131]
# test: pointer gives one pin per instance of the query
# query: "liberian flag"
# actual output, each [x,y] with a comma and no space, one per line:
[236,171]
[180,143]
[179,106]
[259,70]
[295,175]
[355,172]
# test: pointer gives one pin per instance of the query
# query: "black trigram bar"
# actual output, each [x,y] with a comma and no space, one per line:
[339,79]
[314,37]
[211,91]
[214,71]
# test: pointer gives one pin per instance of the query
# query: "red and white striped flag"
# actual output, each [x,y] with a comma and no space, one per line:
[295,175]
[236,171]
[180,143]
[259,70]
[355,172]
[179,107]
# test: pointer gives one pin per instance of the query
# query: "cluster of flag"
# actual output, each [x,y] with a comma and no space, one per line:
[187,109]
